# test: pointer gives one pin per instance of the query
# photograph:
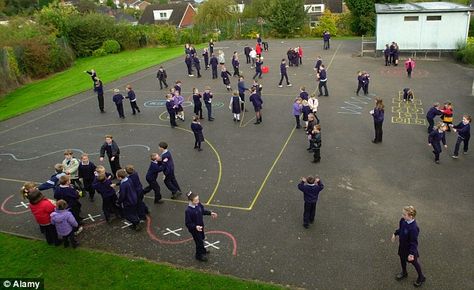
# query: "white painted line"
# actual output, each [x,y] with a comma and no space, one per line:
[127,224]
[22,204]
[174,232]
[91,217]
[211,244]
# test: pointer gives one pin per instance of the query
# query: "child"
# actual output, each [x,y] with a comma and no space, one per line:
[162,76]
[178,103]
[128,199]
[407,233]
[303,93]
[257,102]
[306,110]
[214,62]
[447,115]
[253,57]
[283,74]
[71,196]
[360,81]
[177,86]
[225,78]
[297,112]
[258,87]
[104,187]
[70,167]
[241,87]
[300,54]
[435,139]
[432,113]
[151,177]
[316,143]
[113,153]
[314,104]
[101,170]
[41,208]
[53,181]
[118,100]
[258,68]
[409,65]
[378,114]
[99,89]
[197,103]
[133,99]
[407,95]
[195,223]
[86,172]
[235,64]
[197,130]
[142,209]
[197,65]
[366,83]
[171,108]
[65,223]
[206,58]
[221,57]
[168,170]
[464,134]
[189,64]
[207,97]
[234,106]
[311,187]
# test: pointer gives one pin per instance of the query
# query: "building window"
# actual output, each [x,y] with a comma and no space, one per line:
[162,14]
[411,18]
[433,18]
[315,8]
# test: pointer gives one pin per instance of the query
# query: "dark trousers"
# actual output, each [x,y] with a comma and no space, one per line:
[431,125]
[378,132]
[49,231]
[206,62]
[76,211]
[131,215]
[100,98]
[109,206]
[77,184]
[436,150]
[214,72]
[322,84]
[236,71]
[198,72]
[309,212]
[163,82]
[120,110]
[209,110]
[298,125]
[366,89]
[115,165]
[198,238]
[190,69]
[153,185]
[317,154]
[458,144]
[142,209]
[134,107]
[247,56]
[88,187]
[359,87]
[197,143]
[392,59]
[70,239]
[172,118]
[285,75]
[409,72]
[171,183]
[198,110]
[242,98]
[258,73]
[326,44]
[387,62]
[403,263]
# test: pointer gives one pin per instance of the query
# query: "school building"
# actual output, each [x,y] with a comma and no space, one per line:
[422,26]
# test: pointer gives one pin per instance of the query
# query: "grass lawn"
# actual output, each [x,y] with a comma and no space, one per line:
[74,80]
[87,269]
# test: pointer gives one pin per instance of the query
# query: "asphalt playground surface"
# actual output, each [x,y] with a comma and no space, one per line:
[248,173]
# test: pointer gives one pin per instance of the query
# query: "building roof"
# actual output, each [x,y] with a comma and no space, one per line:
[335,6]
[175,18]
[421,7]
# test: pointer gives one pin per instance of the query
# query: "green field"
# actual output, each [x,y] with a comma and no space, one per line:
[73,80]
[67,268]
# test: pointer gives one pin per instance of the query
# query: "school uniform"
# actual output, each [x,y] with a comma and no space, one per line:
[316,146]
[407,233]
[99,89]
[392,54]
[386,54]
[142,209]
[133,101]
[225,79]
[318,64]
[189,64]
[205,55]
[168,170]
[214,62]
[109,197]
[464,134]
[52,182]
[151,177]
[207,97]
[71,196]
[378,116]
[247,54]
[430,115]
[283,74]
[198,135]
[118,100]
[112,150]
[406,96]
[71,166]
[366,84]
[306,110]
[290,57]
[360,83]
[128,200]
[326,38]
[257,102]
[258,88]
[211,47]
[197,65]
[435,138]
[304,95]
[170,107]
[235,106]
[93,76]
[194,217]
[197,105]
[86,172]
[258,69]
[311,194]
[162,76]
[241,87]
[323,83]
[235,65]
[297,113]
[177,88]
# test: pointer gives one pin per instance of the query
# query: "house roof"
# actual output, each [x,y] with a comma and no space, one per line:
[421,7]
[175,18]
[335,6]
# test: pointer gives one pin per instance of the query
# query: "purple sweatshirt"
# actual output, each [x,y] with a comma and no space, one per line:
[64,221]
[296,109]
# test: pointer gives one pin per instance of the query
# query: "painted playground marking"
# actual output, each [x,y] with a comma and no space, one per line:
[126,224]
[174,232]
[408,113]
[22,204]
[212,244]
[91,217]
[355,105]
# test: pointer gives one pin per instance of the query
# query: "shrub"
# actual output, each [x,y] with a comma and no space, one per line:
[130,37]
[35,57]
[167,35]
[111,46]
[99,52]
[61,54]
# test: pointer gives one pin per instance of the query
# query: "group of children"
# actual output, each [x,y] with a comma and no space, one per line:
[391,54]
[295,56]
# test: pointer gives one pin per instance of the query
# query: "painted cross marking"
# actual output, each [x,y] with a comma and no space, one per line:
[91,217]
[126,224]
[211,244]
[174,232]
[22,204]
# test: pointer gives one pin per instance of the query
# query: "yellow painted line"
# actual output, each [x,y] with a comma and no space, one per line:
[242,120]
[219,172]
[334,55]
[161,116]
[248,122]
[228,206]
[16,180]
[271,169]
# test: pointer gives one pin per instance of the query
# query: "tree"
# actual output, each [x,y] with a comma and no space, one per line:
[287,16]
[86,6]
[327,22]
[256,9]
[216,12]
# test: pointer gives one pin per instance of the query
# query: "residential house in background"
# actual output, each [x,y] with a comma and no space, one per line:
[316,8]
[177,14]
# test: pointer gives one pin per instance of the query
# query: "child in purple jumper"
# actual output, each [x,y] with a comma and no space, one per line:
[65,223]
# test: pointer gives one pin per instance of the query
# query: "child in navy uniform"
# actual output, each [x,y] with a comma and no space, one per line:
[162,76]
[99,89]
[197,130]
[283,74]
[195,223]
[170,107]
[152,176]
[104,187]
[378,115]
[206,58]
[257,102]
[133,99]
[407,233]
[464,134]
[303,94]
[197,103]
[305,110]
[168,170]
[142,209]
[234,106]
[311,187]
[435,138]
[118,100]
[407,95]
[128,199]
[53,181]
[225,78]
[316,143]
[432,113]
[71,196]
[86,172]
[214,62]
[207,97]
[297,112]
[258,68]
[113,153]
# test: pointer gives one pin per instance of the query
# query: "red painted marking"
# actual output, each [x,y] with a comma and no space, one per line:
[11,212]
[155,238]
[93,224]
